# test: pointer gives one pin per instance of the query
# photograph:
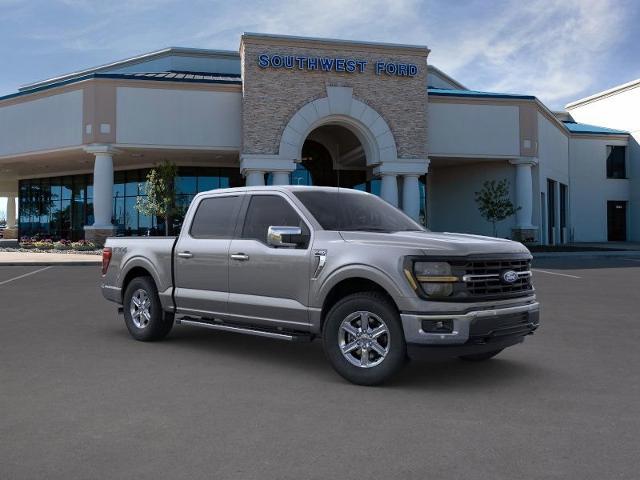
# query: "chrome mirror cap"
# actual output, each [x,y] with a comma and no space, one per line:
[279,236]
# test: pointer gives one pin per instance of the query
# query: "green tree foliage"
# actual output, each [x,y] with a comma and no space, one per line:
[494,203]
[160,199]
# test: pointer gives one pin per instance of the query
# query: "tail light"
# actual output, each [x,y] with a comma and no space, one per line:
[106,259]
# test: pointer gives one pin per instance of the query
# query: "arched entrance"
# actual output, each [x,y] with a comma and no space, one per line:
[340,140]
[333,156]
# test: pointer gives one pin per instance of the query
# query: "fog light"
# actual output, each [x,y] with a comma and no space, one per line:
[437,326]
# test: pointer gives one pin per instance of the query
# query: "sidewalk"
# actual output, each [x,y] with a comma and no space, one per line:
[32,258]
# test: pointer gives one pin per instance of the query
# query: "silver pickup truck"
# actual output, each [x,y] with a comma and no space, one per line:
[295,263]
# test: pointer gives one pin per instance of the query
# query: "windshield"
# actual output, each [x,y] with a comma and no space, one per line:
[349,211]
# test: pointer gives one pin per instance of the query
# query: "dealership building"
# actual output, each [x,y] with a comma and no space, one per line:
[75,149]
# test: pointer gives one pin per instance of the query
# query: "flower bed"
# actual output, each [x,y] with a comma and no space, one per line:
[47,245]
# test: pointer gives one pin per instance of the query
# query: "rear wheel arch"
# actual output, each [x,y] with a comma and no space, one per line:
[135,272]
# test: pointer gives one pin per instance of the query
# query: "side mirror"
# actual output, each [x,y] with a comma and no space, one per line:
[288,237]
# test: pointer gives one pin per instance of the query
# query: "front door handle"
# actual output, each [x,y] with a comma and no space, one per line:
[240,256]
[185,254]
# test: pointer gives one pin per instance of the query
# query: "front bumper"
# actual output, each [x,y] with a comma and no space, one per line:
[476,327]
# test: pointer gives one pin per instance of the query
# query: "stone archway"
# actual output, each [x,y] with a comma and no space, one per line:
[340,108]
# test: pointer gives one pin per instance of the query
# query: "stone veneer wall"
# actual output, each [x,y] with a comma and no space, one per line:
[271,96]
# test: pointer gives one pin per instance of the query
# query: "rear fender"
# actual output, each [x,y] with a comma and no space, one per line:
[164,287]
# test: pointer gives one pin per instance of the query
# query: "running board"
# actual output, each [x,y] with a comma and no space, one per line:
[289,337]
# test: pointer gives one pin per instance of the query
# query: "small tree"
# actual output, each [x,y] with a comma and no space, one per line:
[160,200]
[494,203]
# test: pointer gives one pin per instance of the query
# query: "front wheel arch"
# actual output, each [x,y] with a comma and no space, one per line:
[348,287]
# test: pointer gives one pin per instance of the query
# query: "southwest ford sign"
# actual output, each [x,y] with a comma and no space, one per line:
[331,64]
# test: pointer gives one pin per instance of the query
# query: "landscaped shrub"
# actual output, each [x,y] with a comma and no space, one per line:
[83,245]
[26,242]
[43,244]
[62,245]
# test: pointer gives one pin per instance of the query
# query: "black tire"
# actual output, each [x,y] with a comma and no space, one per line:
[480,357]
[394,342]
[159,323]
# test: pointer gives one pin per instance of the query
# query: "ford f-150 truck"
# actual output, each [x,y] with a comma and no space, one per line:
[294,263]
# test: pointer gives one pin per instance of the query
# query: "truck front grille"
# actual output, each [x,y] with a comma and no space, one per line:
[481,278]
[484,277]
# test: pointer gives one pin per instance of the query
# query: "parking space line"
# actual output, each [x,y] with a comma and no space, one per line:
[25,275]
[555,273]
[632,259]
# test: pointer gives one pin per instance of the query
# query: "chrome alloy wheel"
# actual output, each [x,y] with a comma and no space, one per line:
[140,308]
[364,339]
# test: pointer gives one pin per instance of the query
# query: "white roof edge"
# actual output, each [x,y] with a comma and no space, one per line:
[131,61]
[446,76]
[604,93]
[334,40]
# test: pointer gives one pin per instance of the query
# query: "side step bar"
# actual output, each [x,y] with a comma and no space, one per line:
[290,337]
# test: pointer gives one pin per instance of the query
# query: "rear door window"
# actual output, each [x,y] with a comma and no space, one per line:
[216,217]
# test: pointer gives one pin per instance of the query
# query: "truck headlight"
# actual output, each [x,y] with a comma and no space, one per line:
[435,278]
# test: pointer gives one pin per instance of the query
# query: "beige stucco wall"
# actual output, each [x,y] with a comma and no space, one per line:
[459,129]
[178,117]
[50,122]
[272,96]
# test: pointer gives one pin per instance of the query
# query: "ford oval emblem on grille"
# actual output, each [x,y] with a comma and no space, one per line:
[509,276]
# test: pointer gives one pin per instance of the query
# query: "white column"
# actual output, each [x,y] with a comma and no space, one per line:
[280,178]
[102,186]
[103,190]
[389,188]
[253,167]
[254,178]
[11,211]
[411,195]
[524,192]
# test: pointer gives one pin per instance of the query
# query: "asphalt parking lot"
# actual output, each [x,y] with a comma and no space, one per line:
[80,399]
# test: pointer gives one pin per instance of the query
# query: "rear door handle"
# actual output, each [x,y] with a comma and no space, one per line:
[185,254]
[240,256]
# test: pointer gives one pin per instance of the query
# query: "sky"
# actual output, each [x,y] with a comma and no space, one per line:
[557,50]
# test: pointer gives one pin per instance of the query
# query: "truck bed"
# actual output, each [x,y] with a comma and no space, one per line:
[153,254]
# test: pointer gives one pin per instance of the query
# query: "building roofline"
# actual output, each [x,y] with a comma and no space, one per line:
[562,125]
[119,76]
[445,92]
[446,76]
[604,93]
[593,129]
[131,61]
[320,40]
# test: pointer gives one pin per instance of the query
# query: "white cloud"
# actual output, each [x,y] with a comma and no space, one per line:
[550,49]
[554,49]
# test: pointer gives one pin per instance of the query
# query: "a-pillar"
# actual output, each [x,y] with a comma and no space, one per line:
[102,194]
[524,229]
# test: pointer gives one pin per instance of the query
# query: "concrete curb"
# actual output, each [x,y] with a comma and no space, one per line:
[594,254]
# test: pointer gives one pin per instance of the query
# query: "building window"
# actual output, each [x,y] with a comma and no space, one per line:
[616,161]
[60,207]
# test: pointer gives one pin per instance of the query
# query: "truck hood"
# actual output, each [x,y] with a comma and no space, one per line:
[431,243]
